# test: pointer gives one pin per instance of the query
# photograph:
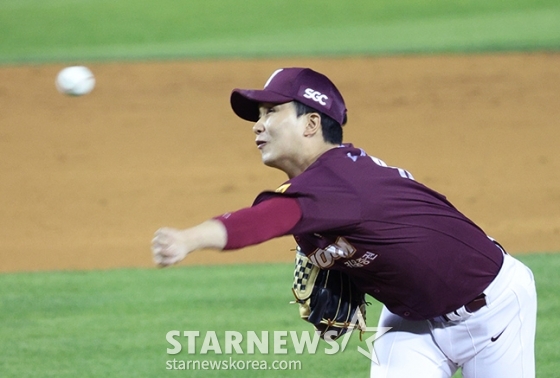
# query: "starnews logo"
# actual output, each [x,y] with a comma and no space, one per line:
[266,342]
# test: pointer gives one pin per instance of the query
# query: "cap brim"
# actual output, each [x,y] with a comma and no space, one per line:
[245,102]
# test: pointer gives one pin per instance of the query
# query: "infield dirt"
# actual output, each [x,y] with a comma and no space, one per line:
[86,181]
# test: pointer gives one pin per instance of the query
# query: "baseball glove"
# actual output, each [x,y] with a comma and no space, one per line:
[328,299]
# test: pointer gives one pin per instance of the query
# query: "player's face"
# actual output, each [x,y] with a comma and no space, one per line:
[279,132]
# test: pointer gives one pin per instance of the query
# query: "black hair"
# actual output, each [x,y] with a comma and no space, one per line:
[332,130]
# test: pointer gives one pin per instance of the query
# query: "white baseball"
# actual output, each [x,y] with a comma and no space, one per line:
[75,81]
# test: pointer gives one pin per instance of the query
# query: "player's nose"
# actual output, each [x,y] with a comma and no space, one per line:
[258,127]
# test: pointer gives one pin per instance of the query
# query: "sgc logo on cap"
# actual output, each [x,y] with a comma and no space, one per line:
[316,96]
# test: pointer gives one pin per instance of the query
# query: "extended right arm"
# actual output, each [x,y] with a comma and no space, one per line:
[253,225]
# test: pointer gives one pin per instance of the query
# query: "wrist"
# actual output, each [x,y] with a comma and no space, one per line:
[211,234]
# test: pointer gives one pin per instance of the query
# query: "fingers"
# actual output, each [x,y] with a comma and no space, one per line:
[166,248]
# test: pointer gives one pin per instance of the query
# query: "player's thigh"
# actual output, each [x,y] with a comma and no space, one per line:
[408,350]
[510,353]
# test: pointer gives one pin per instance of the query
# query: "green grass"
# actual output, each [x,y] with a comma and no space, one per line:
[113,323]
[65,30]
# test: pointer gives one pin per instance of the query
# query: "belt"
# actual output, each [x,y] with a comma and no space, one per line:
[476,304]
[472,307]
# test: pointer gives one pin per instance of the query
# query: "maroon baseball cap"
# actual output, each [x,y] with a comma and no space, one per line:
[287,84]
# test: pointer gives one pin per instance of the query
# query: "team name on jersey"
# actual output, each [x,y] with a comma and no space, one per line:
[325,258]
[341,249]
[366,259]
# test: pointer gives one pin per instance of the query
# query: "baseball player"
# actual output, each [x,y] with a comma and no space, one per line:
[453,297]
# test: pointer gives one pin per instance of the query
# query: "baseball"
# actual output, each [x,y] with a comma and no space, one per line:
[75,81]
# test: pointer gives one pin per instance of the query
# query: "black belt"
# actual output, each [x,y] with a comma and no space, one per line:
[473,306]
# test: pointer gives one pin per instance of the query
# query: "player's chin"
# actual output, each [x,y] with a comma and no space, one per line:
[272,163]
[268,159]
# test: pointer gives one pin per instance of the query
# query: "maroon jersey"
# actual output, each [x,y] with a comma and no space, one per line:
[401,242]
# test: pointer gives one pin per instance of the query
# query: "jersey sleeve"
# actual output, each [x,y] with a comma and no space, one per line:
[263,221]
[324,208]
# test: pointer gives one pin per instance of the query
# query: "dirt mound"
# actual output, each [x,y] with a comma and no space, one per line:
[86,181]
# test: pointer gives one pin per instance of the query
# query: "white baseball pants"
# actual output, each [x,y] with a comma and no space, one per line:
[494,342]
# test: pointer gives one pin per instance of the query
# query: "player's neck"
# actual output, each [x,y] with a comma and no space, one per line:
[312,154]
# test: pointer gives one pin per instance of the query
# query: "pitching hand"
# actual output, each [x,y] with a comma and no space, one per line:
[169,246]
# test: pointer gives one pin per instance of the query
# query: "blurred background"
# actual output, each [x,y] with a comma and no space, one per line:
[465,95]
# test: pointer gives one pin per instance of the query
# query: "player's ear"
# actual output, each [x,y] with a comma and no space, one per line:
[313,124]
